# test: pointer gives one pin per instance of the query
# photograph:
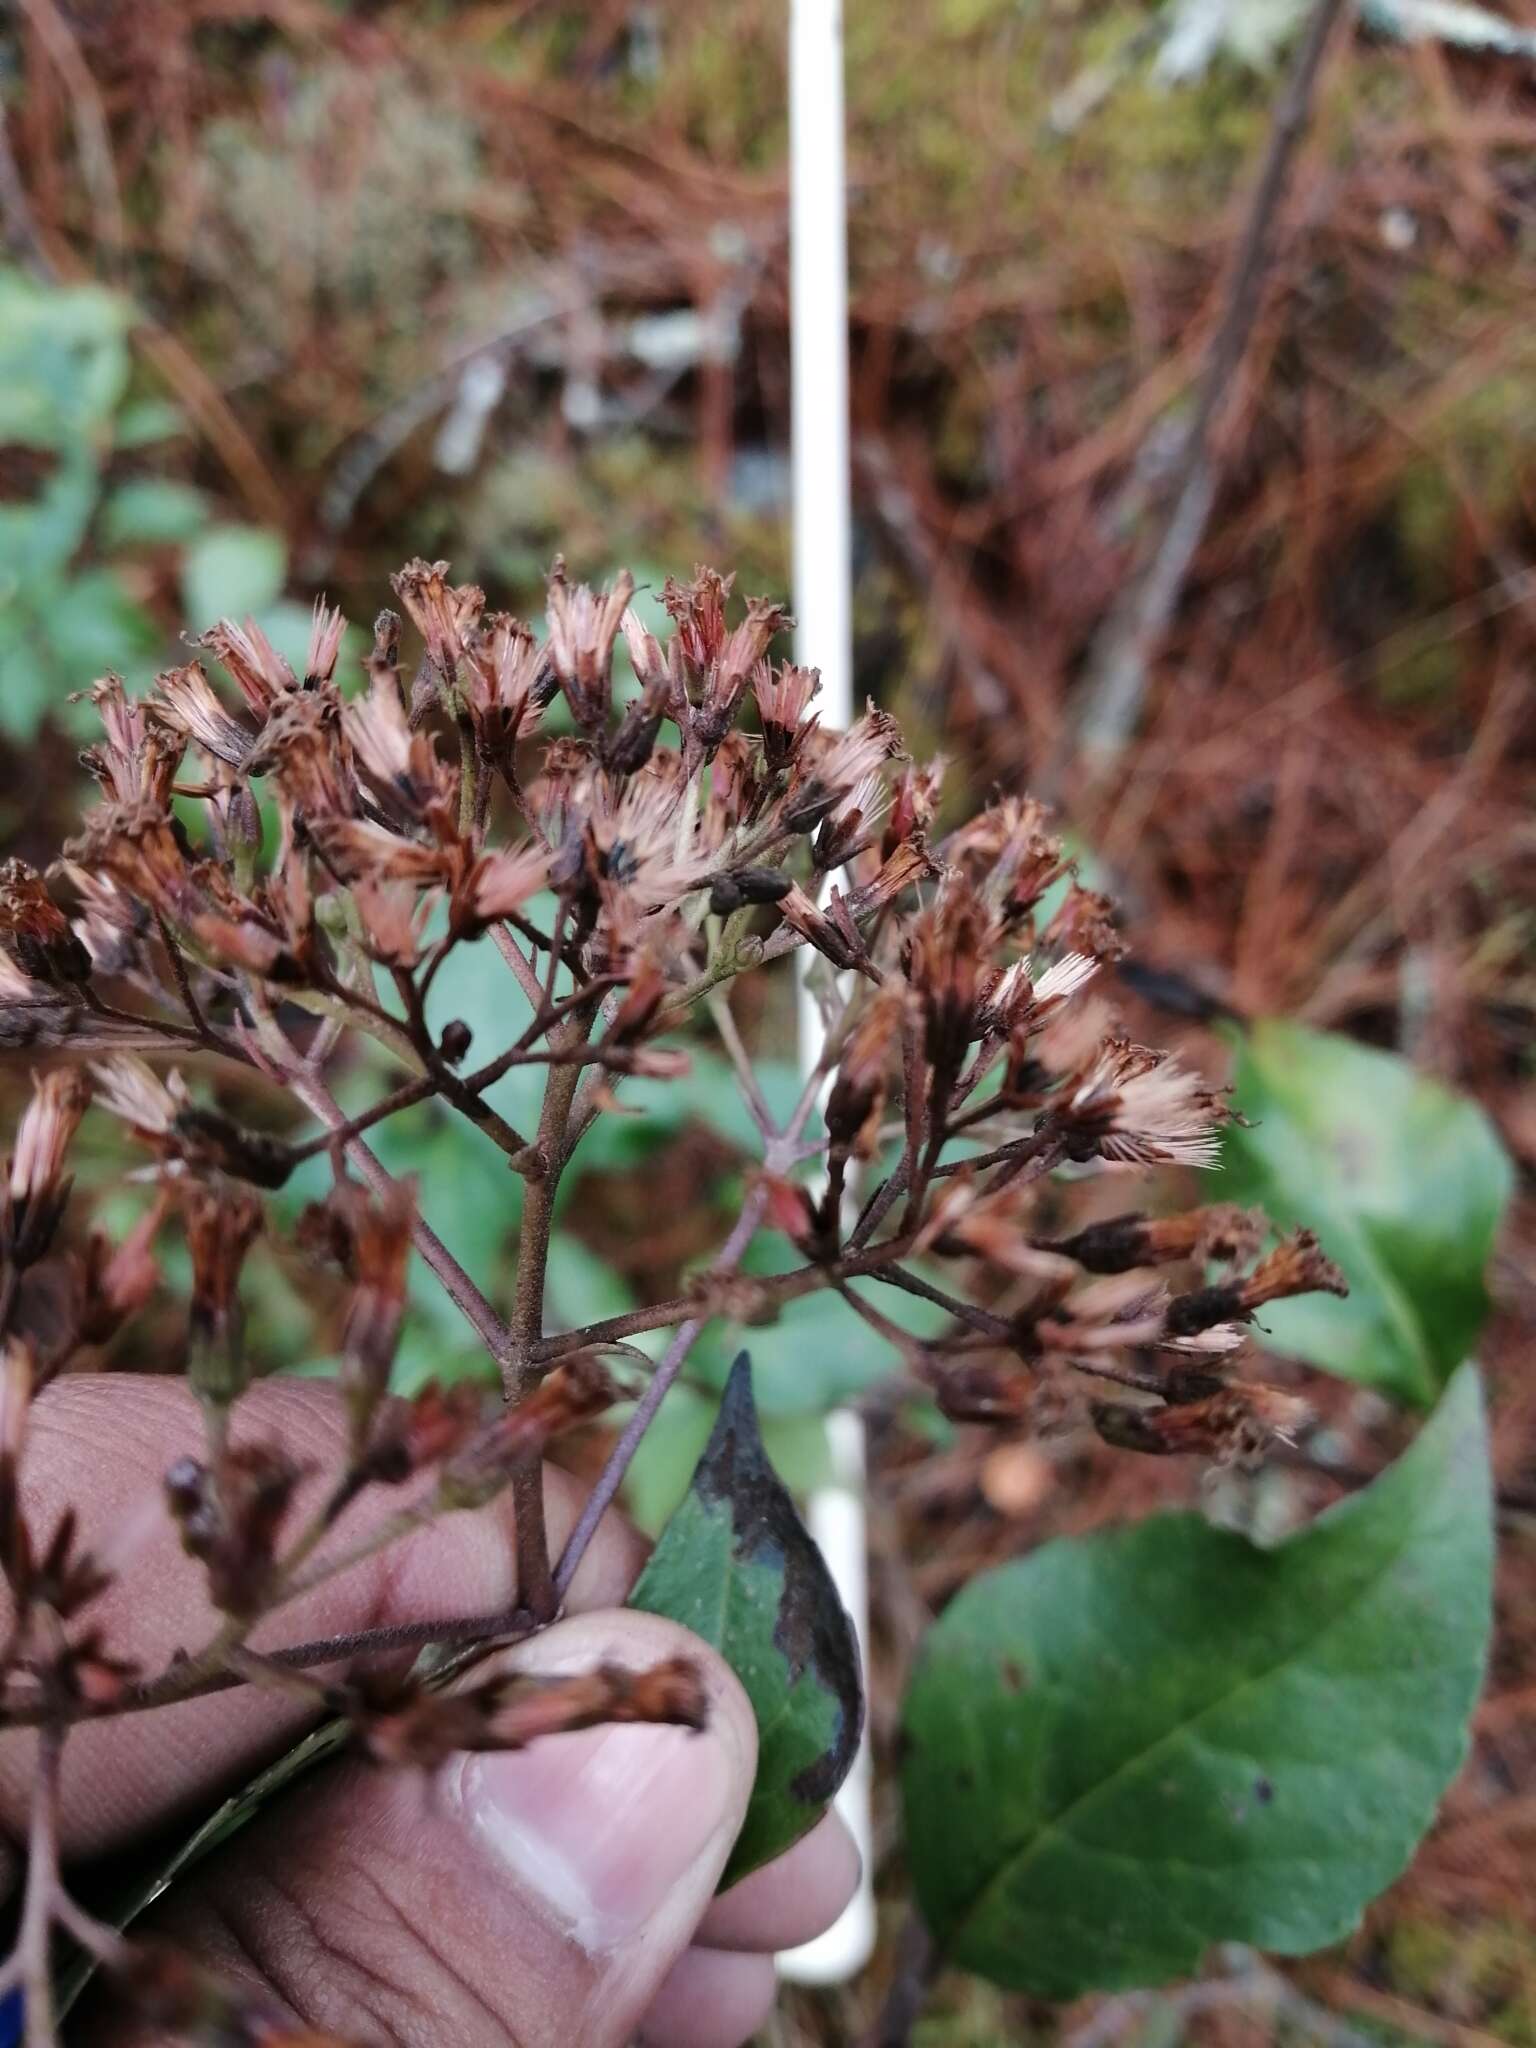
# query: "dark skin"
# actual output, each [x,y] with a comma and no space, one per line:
[561,1894]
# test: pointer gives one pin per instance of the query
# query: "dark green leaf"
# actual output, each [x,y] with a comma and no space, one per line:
[736,1565]
[1403,1181]
[1133,1744]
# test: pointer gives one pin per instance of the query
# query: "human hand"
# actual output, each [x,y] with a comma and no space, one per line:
[558,1894]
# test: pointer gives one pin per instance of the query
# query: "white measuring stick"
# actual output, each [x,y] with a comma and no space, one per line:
[823,602]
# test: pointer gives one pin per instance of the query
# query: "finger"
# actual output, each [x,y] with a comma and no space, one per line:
[710,2000]
[540,1897]
[101,1443]
[790,1900]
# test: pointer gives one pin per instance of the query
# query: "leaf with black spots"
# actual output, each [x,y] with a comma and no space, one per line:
[737,1566]
[1134,1744]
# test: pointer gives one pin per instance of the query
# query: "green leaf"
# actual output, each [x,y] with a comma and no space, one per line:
[148,510]
[232,571]
[1136,1743]
[143,422]
[657,1480]
[63,361]
[1404,1182]
[736,1565]
[818,1353]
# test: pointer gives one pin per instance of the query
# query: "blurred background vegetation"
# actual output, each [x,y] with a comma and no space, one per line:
[293,291]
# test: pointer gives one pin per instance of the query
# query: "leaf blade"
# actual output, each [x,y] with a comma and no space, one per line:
[1405,1182]
[736,1565]
[1135,1718]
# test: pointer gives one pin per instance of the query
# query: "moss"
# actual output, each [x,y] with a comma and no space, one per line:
[1483,1973]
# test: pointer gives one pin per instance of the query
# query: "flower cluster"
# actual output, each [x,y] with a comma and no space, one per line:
[276,869]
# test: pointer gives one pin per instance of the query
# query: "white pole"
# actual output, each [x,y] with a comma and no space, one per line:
[822,598]
[818,284]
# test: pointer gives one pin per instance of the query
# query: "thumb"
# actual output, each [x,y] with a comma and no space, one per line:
[536,1897]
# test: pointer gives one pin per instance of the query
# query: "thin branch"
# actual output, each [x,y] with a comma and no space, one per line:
[457,1285]
[979,1319]
[175,1684]
[741,1060]
[611,1477]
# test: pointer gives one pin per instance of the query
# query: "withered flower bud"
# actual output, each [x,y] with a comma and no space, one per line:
[1085,924]
[838,766]
[359,851]
[1021,1000]
[1140,1108]
[186,701]
[401,765]
[901,870]
[506,682]
[849,826]
[1235,1426]
[136,761]
[915,804]
[405,1725]
[1296,1266]
[229,1519]
[144,849]
[1221,1232]
[35,932]
[638,1011]
[162,1115]
[784,697]
[498,884]
[1011,856]
[261,674]
[574,1393]
[733,887]
[446,617]
[977,1391]
[304,748]
[949,942]
[727,679]
[120,1278]
[222,1224]
[37,1190]
[698,609]
[393,917]
[380,1231]
[833,935]
[410,1436]
[790,1209]
[858,1093]
[582,629]
[326,629]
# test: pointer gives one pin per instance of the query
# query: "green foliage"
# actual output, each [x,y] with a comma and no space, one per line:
[736,1565]
[70,605]
[1404,1182]
[1137,1743]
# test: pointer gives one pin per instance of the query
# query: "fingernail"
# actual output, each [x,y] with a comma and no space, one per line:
[602,1827]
